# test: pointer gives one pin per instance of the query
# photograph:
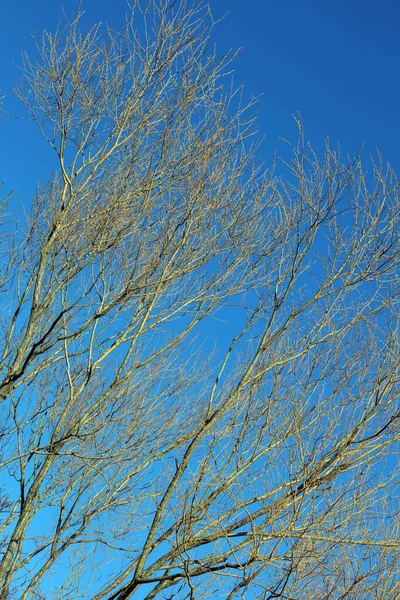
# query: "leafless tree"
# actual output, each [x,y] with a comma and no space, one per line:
[200,357]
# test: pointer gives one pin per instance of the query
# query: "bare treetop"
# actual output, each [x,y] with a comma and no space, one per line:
[200,357]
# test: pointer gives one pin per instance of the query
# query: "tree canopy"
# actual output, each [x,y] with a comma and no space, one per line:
[199,356]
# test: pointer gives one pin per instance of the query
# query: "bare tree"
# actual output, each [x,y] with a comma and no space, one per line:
[200,358]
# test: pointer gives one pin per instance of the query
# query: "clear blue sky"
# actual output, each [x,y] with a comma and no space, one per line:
[336,62]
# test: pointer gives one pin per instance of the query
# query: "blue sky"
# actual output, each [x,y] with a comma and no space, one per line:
[335,62]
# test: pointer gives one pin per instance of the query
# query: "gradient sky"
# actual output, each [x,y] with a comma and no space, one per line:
[335,62]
